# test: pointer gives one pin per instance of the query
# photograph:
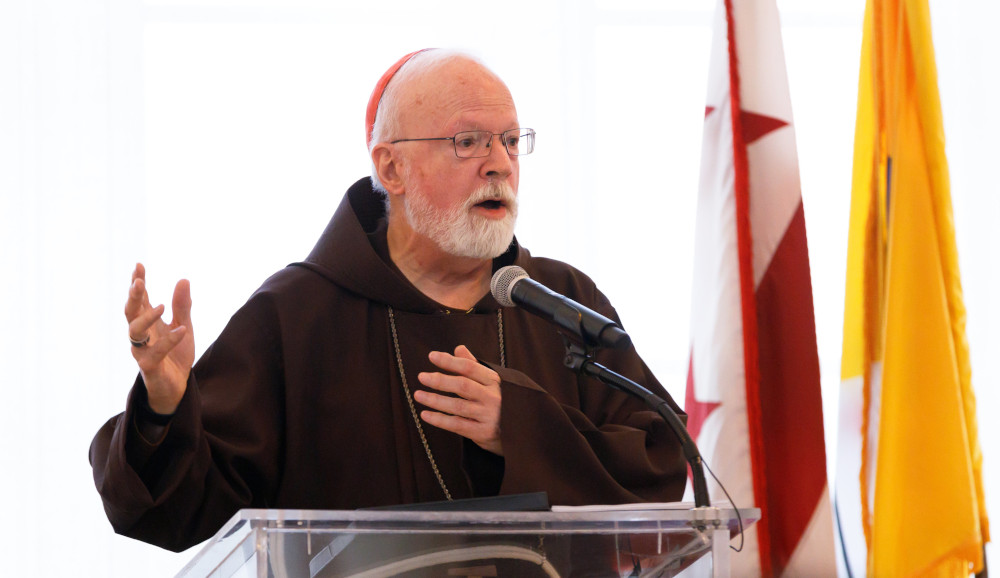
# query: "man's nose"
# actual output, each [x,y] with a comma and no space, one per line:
[498,163]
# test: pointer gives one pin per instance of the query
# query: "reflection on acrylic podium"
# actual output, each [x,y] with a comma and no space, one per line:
[632,540]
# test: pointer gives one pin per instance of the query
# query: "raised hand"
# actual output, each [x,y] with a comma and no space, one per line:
[165,353]
[475,413]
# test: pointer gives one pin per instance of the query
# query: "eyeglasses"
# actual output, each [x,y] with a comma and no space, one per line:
[478,143]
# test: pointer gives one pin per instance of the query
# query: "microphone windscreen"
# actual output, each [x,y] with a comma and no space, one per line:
[503,281]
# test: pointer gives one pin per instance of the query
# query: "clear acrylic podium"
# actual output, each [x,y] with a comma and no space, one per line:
[375,543]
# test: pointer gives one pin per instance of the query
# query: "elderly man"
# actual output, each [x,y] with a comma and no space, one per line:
[380,370]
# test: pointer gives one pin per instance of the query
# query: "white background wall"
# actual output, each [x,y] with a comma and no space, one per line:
[213,140]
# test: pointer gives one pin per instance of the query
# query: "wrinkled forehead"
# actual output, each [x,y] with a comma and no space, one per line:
[453,90]
[459,81]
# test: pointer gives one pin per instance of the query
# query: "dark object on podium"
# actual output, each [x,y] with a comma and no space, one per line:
[532,502]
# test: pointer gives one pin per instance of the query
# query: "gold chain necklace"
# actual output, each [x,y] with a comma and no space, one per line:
[409,398]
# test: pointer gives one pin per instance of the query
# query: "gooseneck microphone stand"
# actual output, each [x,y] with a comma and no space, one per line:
[579,360]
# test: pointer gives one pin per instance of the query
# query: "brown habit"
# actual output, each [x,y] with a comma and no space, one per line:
[299,403]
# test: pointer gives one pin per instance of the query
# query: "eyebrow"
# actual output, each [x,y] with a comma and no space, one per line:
[462,127]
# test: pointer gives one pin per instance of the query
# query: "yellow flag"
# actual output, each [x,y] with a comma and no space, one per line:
[904,321]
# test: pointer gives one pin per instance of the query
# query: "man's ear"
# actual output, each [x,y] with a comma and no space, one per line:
[388,168]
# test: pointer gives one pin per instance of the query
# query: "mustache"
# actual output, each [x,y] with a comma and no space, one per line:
[494,191]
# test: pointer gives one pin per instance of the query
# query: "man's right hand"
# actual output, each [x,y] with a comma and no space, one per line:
[165,360]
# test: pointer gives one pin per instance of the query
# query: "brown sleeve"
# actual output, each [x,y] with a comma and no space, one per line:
[611,449]
[219,453]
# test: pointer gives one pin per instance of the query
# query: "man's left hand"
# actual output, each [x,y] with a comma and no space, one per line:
[475,413]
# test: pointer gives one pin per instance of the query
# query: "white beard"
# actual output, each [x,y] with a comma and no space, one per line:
[460,232]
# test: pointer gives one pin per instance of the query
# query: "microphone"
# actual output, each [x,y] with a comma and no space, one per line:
[511,286]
